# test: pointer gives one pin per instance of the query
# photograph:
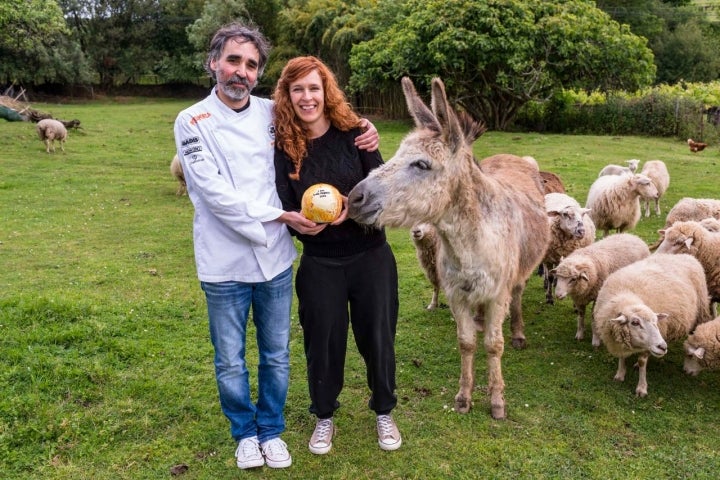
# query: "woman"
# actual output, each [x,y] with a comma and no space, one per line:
[342,264]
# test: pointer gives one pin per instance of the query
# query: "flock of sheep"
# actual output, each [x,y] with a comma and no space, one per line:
[641,299]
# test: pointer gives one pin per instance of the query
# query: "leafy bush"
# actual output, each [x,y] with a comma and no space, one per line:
[665,111]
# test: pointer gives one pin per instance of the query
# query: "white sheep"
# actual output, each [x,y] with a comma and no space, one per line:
[613,169]
[570,228]
[49,130]
[581,274]
[657,171]
[693,209]
[427,243]
[642,306]
[702,348]
[690,209]
[693,238]
[614,201]
[177,172]
[711,224]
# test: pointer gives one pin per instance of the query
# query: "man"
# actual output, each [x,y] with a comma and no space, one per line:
[243,251]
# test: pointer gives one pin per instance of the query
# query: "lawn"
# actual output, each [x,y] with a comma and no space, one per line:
[106,364]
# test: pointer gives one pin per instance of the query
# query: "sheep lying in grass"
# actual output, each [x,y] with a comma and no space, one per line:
[702,348]
[614,201]
[581,274]
[427,243]
[620,170]
[177,172]
[657,171]
[690,209]
[570,228]
[50,130]
[711,224]
[646,304]
[693,238]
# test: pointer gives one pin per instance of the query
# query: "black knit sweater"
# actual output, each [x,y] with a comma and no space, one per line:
[334,159]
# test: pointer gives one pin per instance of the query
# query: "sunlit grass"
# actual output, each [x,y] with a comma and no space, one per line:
[106,367]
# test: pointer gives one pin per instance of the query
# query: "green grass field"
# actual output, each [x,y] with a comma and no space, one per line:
[106,364]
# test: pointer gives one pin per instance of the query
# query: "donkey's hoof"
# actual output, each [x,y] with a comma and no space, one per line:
[462,404]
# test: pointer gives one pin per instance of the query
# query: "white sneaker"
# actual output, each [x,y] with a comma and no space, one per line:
[388,434]
[276,453]
[321,440]
[248,453]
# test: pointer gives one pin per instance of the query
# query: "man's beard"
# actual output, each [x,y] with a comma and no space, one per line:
[236,93]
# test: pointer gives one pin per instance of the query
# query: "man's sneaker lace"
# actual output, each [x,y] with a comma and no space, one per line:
[276,453]
[248,453]
[321,440]
[388,433]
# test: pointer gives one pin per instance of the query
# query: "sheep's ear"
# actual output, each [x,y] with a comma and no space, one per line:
[662,317]
[689,242]
[584,211]
[553,271]
[661,232]
[621,319]
[553,213]
[584,276]
[698,353]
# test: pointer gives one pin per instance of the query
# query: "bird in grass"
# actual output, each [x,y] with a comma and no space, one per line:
[696,146]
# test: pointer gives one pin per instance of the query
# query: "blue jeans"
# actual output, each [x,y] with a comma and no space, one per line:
[228,306]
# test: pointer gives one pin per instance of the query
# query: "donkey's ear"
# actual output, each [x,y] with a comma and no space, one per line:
[422,115]
[451,130]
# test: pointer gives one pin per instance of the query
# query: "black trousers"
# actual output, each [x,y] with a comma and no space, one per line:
[368,284]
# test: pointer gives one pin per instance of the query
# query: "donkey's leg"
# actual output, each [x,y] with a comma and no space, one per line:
[495,346]
[517,325]
[467,341]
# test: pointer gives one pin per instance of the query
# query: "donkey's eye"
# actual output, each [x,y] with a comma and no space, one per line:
[421,164]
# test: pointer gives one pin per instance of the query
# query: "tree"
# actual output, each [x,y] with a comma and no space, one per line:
[36,46]
[326,29]
[496,56]
[682,39]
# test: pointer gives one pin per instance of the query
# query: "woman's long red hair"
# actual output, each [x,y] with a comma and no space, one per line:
[290,135]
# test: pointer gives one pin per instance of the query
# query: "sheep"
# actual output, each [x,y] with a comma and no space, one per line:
[710,224]
[614,201]
[581,274]
[50,130]
[656,171]
[702,348]
[690,209]
[693,238]
[693,209]
[646,304]
[620,170]
[177,172]
[427,243]
[570,228]
[551,182]
[490,218]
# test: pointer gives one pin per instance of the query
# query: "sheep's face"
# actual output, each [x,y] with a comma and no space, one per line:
[571,220]
[640,329]
[677,239]
[570,281]
[693,357]
[421,231]
[645,187]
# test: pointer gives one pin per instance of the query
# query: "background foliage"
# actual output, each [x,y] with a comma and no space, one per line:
[106,365]
[495,55]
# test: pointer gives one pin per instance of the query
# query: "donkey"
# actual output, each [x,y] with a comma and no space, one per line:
[490,217]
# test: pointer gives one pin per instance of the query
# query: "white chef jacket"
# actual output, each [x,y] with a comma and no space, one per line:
[227,159]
